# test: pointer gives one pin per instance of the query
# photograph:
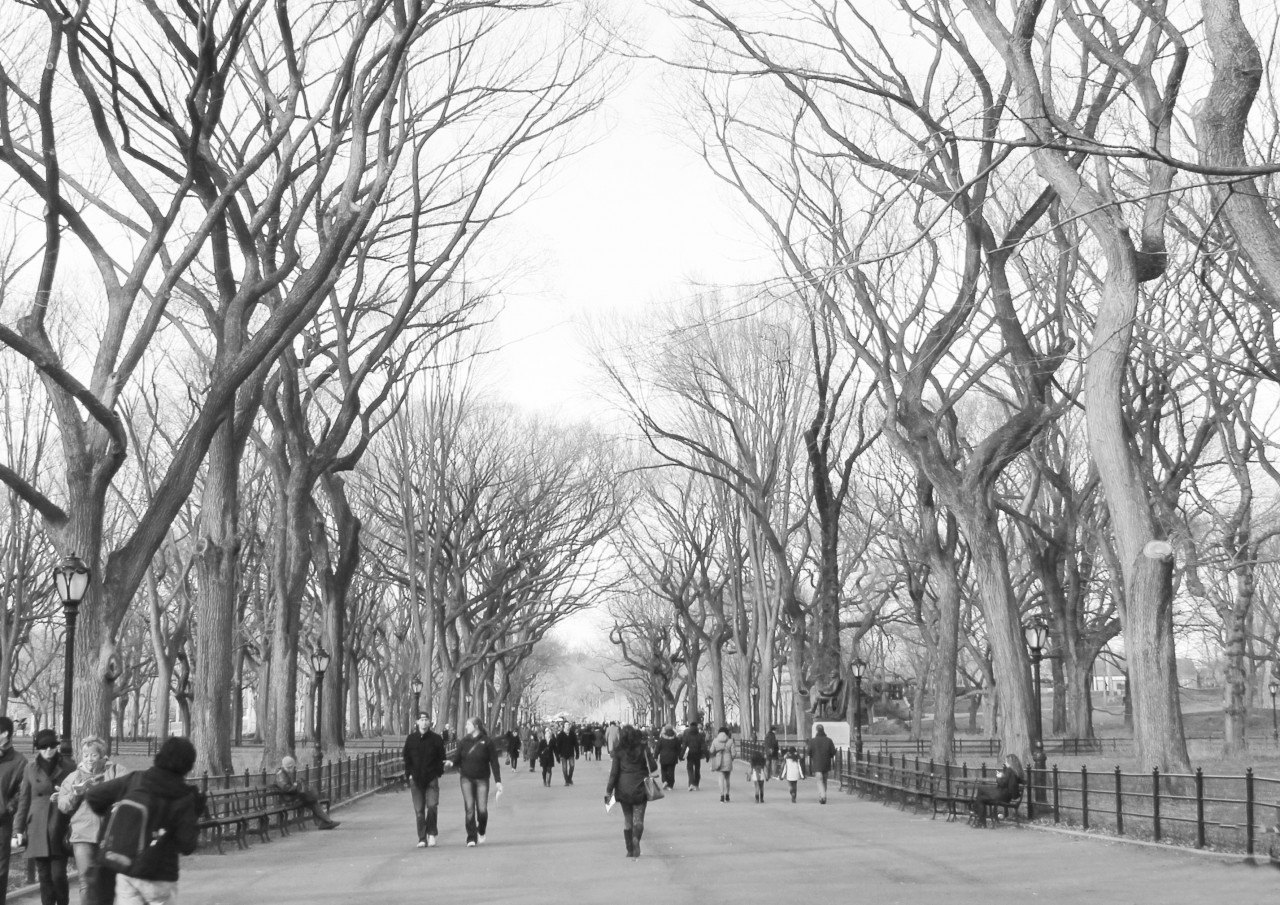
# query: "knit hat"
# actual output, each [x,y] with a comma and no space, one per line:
[46,738]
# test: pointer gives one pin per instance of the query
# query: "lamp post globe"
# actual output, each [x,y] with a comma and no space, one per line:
[416,685]
[320,664]
[858,667]
[72,581]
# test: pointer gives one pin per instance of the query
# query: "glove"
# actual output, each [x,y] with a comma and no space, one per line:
[606,799]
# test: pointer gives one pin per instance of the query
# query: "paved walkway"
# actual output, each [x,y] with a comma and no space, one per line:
[557,846]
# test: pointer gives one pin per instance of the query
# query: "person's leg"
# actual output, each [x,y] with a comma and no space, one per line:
[469,806]
[637,825]
[45,879]
[573,762]
[59,882]
[431,800]
[6,841]
[419,795]
[84,853]
[822,786]
[695,771]
[628,813]
[760,790]
[482,807]
[311,801]
[792,783]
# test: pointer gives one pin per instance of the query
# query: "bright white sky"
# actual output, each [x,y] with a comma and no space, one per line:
[634,219]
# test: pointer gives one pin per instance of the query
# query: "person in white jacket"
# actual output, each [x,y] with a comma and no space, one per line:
[96,883]
[792,772]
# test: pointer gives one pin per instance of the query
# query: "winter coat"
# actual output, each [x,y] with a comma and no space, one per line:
[667,750]
[566,747]
[546,753]
[771,743]
[477,758]
[423,757]
[693,744]
[38,815]
[627,772]
[85,825]
[723,753]
[791,769]
[822,752]
[180,807]
[12,766]
[611,736]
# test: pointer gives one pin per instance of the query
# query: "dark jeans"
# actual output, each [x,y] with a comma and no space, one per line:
[566,767]
[309,800]
[694,765]
[633,816]
[6,841]
[475,799]
[669,775]
[426,804]
[97,884]
[771,766]
[52,873]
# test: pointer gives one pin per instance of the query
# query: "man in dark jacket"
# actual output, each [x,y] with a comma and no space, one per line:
[822,753]
[693,748]
[179,807]
[771,752]
[12,765]
[567,751]
[424,765]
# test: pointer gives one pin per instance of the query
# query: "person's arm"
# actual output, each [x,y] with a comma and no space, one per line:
[101,797]
[185,828]
[615,770]
[495,763]
[284,783]
[24,806]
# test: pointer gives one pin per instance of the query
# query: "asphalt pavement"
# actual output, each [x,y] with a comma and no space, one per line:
[558,846]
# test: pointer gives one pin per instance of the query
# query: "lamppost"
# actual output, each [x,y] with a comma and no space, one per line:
[1037,633]
[416,685]
[319,662]
[1273,688]
[755,709]
[706,714]
[72,580]
[858,666]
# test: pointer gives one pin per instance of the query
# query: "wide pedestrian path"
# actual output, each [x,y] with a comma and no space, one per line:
[557,845]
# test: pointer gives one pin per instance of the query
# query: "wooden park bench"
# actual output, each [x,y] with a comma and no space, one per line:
[239,813]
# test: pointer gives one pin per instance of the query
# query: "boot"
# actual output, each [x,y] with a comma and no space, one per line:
[635,835]
[631,846]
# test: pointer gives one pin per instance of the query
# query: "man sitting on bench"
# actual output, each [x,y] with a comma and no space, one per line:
[292,790]
[1008,788]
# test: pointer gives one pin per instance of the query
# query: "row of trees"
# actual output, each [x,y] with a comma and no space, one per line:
[236,247]
[1020,361]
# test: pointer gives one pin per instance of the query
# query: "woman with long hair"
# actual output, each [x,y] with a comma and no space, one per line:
[477,762]
[631,764]
[722,756]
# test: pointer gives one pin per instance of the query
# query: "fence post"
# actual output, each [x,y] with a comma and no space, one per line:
[1084,797]
[1056,793]
[1155,803]
[1119,803]
[1199,807]
[1248,810]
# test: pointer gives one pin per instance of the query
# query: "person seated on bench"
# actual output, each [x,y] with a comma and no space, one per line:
[1008,788]
[291,789]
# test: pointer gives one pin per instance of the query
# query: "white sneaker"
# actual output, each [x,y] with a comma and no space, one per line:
[471,843]
[431,841]
[481,838]
[422,843]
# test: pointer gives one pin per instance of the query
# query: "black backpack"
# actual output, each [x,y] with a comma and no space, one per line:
[131,840]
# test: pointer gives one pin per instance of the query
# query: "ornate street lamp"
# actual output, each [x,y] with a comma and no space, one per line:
[1273,688]
[319,663]
[416,685]
[859,667]
[1037,635]
[706,714]
[72,580]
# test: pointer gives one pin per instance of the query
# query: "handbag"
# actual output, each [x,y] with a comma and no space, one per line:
[652,789]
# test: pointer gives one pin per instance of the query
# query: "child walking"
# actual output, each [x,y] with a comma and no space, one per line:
[757,773]
[791,771]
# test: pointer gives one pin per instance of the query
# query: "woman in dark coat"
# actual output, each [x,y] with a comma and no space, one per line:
[631,764]
[546,754]
[477,763]
[1008,787]
[39,820]
[667,750]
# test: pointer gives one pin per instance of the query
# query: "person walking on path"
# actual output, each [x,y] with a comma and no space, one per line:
[477,763]
[667,751]
[97,883]
[611,736]
[424,765]
[178,806]
[598,738]
[565,752]
[723,753]
[39,820]
[292,789]
[757,773]
[12,766]
[546,755]
[771,752]
[822,754]
[694,751]
[631,764]
[792,772]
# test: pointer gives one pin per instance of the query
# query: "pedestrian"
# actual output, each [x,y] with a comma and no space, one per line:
[611,736]
[178,806]
[513,749]
[565,752]
[546,754]
[722,756]
[667,751]
[598,738]
[39,821]
[822,754]
[757,773]
[295,791]
[531,743]
[586,741]
[1008,787]
[631,764]
[477,763]
[97,882]
[792,772]
[694,751]
[771,752]
[424,765]
[12,766]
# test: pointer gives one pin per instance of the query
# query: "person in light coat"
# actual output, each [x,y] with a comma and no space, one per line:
[723,753]
[97,884]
